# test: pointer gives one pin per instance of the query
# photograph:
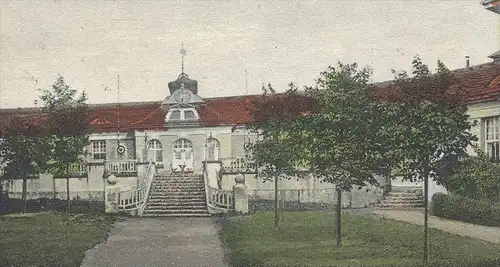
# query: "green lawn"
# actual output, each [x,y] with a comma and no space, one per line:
[308,239]
[49,239]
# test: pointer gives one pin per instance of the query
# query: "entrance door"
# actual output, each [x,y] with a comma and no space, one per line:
[183,155]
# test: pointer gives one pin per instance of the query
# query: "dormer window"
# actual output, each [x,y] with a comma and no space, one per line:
[182,114]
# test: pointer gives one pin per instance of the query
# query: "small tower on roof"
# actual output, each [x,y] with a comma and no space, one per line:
[181,104]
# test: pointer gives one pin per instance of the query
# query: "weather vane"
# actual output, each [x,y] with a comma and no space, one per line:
[183,53]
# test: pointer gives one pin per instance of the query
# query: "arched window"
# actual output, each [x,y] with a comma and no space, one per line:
[212,149]
[155,151]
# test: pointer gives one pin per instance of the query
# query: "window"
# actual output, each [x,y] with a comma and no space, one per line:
[99,150]
[176,115]
[155,151]
[189,115]
[212,148]
[492,137]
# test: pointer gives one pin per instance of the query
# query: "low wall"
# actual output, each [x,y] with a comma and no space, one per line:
[306,190]
[433,186]
[90,188]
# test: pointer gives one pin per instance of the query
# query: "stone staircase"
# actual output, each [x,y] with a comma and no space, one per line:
[177,196]
[403,197]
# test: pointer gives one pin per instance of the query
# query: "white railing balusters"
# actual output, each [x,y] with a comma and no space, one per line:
[135,199]
[122,166]
[77,168]
[217,199]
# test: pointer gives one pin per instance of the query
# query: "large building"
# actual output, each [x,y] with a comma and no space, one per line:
[197,145]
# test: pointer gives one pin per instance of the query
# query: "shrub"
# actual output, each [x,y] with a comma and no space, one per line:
[457,207]
[14,205]
[475,177]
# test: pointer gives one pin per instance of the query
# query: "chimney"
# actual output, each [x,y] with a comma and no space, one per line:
[467,62]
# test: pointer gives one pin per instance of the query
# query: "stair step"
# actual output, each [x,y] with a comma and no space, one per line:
[175,207]
[416,202]
[409,197]
[179,181]
[399,208]
[399,205]
[178,194]
[177,215]
[179,178]
[187,201]
[172,200]
[406,190]
[176,211]
[178,190]
[177,185]
[398,194]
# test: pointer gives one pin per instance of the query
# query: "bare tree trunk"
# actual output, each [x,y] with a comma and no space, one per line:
[25,182]
[1,196]
[54,194]
[426,216]
[338,217]
[67,193]
[276,215]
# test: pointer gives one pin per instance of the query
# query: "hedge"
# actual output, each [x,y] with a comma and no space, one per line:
[15,205]
[460,208]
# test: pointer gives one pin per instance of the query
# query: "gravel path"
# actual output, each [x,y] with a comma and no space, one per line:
[160,242]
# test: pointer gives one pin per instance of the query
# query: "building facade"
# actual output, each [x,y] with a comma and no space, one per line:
[205,138]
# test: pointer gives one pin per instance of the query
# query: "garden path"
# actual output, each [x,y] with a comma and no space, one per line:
[490,234]
[160,242]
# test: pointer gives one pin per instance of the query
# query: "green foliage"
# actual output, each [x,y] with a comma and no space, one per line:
[14,205]
[68,123]
[426,121]
[475,177]
[308,239]
[25,154]
[461,208]
[344,134]
[278,149]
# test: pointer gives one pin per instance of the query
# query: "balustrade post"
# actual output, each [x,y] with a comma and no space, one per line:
[240,195]
[111,194]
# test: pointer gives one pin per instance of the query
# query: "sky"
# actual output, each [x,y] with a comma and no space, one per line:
[233,47]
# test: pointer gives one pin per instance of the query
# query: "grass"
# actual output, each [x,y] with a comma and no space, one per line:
[50,239]
[308,239]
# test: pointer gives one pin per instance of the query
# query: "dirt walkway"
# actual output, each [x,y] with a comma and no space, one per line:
[160,242]
[491,234]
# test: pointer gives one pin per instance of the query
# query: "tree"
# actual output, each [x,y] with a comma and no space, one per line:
[427,124]
[26,147]
[68,121]
[344,134]
[278,150]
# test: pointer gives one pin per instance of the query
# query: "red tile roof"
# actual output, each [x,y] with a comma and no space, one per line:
[482,84]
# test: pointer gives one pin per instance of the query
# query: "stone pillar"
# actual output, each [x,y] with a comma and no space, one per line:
[111,191]
[240,195]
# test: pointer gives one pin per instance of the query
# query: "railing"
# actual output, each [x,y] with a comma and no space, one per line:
[135,199]
[235,165]
[217,199]
[78,168]
[122,166]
